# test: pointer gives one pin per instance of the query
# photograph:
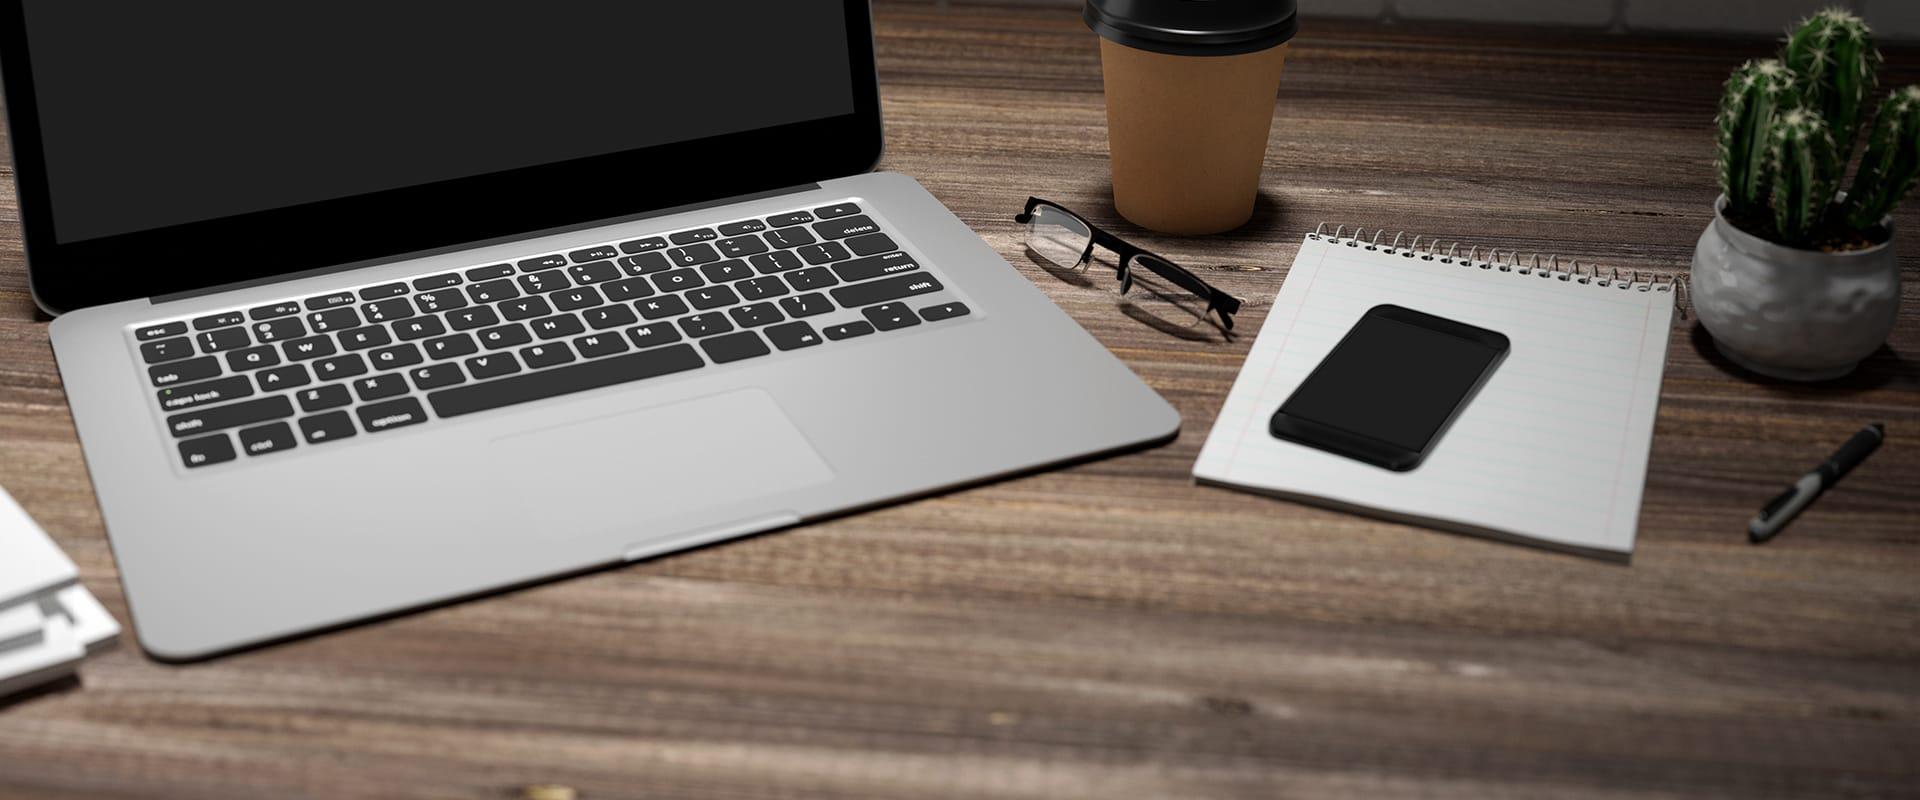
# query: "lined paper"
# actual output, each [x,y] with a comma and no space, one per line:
[1553,449]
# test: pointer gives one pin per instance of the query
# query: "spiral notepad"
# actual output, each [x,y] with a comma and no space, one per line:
[1551,451]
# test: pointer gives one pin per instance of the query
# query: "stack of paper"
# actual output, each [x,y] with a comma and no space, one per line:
[48,621]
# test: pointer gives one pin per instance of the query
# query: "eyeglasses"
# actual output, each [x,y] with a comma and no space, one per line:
[1066,240]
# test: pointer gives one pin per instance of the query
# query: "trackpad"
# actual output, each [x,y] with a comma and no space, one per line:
[638,471]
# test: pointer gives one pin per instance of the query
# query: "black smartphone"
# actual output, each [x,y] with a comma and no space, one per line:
[1390,388]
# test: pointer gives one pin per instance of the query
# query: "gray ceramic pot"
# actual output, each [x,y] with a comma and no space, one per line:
[1801,315]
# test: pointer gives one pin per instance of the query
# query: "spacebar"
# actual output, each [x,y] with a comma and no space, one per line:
[564,380]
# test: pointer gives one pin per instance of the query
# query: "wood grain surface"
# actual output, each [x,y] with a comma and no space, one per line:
[1112,630]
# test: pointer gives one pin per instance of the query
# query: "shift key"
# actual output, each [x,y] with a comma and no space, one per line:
[880,291]
[228,416]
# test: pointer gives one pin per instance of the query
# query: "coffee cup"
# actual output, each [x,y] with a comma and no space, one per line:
[1190,87]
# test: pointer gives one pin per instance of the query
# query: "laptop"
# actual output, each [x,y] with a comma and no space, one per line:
[366,307]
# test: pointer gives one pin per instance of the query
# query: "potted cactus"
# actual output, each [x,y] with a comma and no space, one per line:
[1794,277]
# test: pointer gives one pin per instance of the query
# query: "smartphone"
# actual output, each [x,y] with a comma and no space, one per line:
[1391,387]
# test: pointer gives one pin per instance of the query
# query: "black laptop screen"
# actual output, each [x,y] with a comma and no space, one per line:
[182,112]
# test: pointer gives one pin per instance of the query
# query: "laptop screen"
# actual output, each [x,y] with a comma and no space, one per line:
[184,112]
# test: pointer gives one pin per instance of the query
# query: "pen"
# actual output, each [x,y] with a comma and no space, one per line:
[1788,505]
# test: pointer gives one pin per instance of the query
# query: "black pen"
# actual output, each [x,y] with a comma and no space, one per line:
[1811,485]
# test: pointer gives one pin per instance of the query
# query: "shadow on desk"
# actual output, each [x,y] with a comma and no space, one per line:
[1878,370]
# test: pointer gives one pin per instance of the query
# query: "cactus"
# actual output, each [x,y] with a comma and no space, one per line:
[1892,159]
[1833,56]
[1801,170]
[1755,94]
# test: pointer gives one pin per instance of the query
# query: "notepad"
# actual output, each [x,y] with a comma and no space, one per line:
[1553,449]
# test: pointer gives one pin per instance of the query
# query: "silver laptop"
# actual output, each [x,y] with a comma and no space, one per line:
[366,307]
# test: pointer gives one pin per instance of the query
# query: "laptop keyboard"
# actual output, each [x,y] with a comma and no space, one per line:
[314,370]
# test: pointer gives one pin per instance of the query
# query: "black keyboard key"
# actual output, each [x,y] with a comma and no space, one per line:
[861,269]
[792,336]
[743,226]
[659,307]
[790,218]
[646,245]
[645,264]
[321,398]
[286,309]
[807,305]
[581,377]
[693,254]
[727,271]
[334,319]
[166,350]
[287,377]
[308,348]
[418,328]
[181,398]
[756,315]
[552,280]
[233,415]
[490,272]
[824,252]
[790,238]
[677,279]
[222,339]
[600,344]
[383,291]
[380,387]
[544,262]
[761,288]
[601,253]
[391,414]
[206,450]
[557,326]
[627,289]
[389,309]
[606,317]
[326,301]
[275,330]
[329,427]
[150,332]
[438,301]
[596,272]
[525,308]
[453,346]
[363,338]
[508,335]
[436,376]
[734,347]
[492,291]
[546,355]
[836,210]
[492,365]
[891,316]
[431,282]
[811,278]
[252,358]
[467,319]
[848,330]
[712,297]
[894,288]
[769,263]
[211,321]
[944,311]
[740,246]
[341,366]
[399,355]
[844,227]
[577,298]
[654,334]
[184,371]
[689,237]
[265,439]
[871,243]
[705,324]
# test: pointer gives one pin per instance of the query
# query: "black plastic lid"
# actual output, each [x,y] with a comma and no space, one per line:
[1194,27]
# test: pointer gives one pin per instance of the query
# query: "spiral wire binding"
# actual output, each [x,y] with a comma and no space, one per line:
[1509,261]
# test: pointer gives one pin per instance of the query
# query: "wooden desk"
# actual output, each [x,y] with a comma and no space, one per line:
[1111,630]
